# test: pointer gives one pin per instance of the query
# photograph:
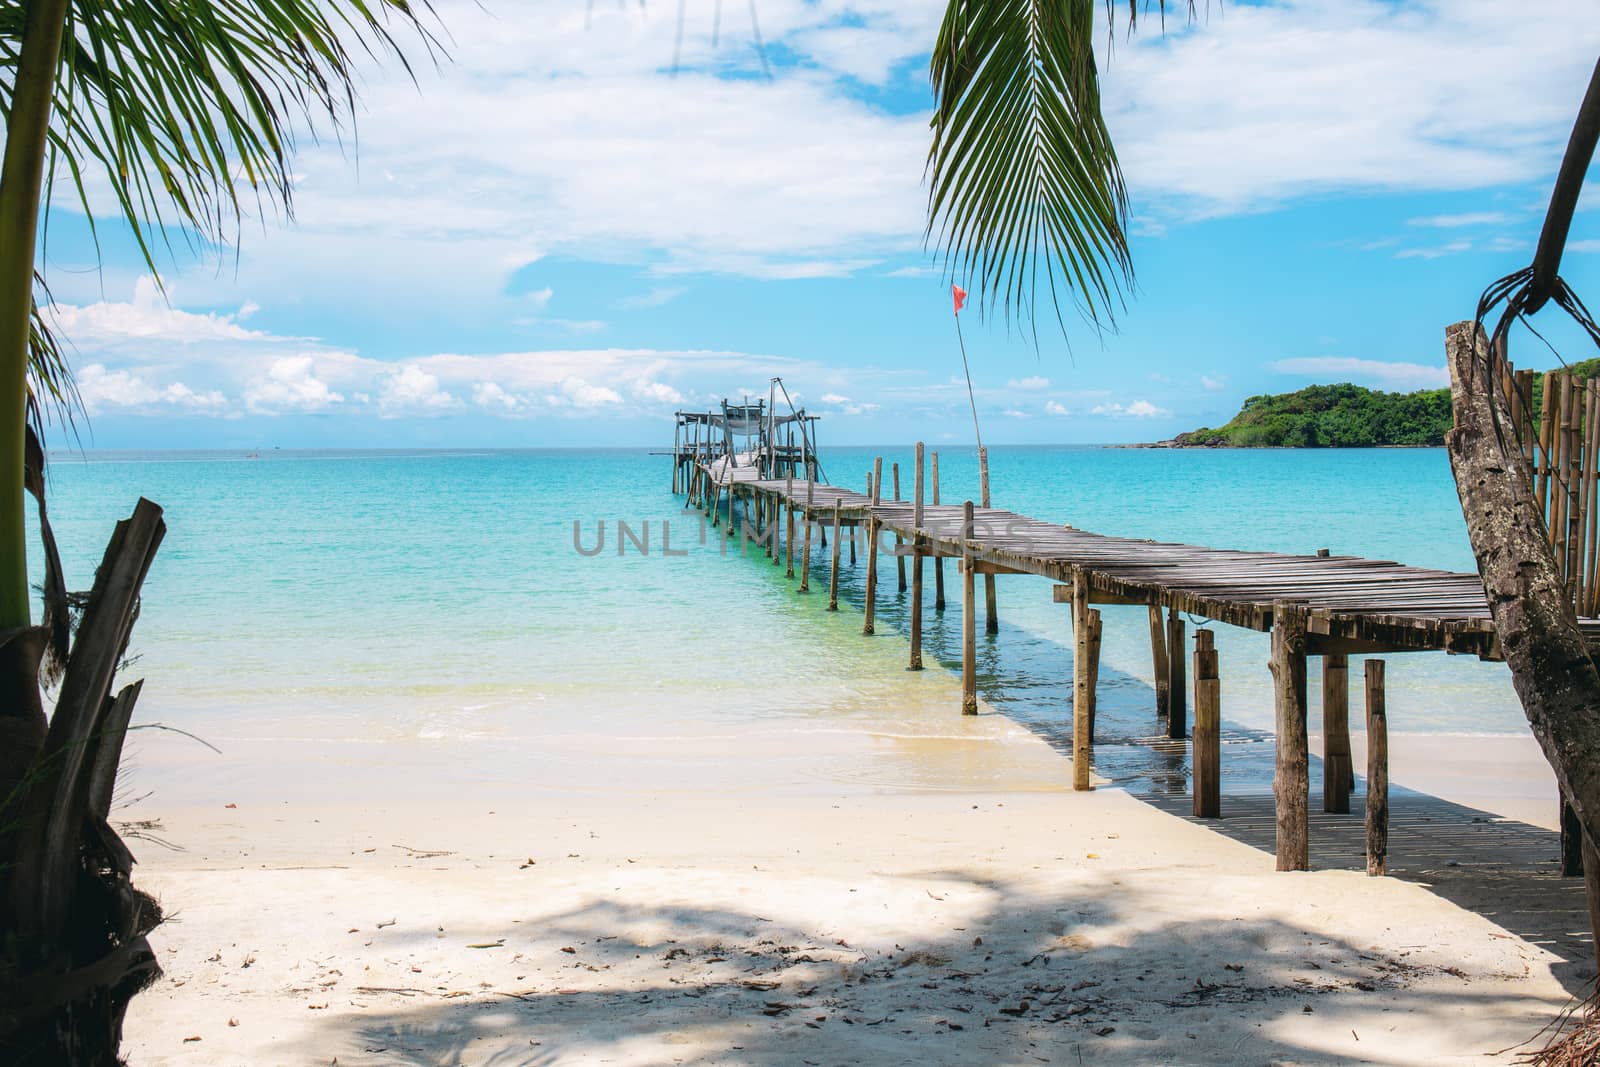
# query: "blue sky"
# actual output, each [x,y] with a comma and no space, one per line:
[551,239]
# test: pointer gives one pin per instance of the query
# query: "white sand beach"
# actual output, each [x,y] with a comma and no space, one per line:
[397,916]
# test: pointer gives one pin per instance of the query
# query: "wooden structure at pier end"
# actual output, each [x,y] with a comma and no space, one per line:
[1319,607]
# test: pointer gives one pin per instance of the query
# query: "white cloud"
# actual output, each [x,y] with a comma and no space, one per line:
[1213,384]
[410,390]
[834,398]
[656,392]
[492,396]
[1467,218]
[581,394]
[1378,372]
[540,298]
[147,317]
[1450,249]
[1139,409]
[1286,98]
[102,390]
[290,384]
[1031,385]
[847,406]
[655,297]
[1053,408]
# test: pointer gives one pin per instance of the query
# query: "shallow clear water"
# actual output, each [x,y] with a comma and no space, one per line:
[388,595]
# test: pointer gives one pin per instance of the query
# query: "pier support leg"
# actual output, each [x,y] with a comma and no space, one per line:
[1094,669]
[1082,686]
[938,561]
[1571,842]
[916,609]
[833,571]
[1207,728]
[805,556]
[899,543]
[1377,771]
[1158,658]
[969,615]
[788,539]
[1177,688]
[730,509]
[1291,779]
[871,603]
[991,617]
[1338,773]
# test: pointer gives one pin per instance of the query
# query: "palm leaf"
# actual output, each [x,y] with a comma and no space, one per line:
[1022,171]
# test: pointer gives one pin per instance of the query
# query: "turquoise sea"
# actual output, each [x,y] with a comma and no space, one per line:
[386,596]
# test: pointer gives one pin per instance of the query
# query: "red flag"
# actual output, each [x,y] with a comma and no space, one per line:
[960,295]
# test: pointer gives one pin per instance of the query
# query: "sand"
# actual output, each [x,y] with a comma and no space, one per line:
[956,905]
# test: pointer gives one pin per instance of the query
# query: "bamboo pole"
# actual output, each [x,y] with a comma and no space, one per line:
[1547,408]
[1591,451]
[938,561]
[1377,771]
[1082,691]
[833,572]
[1207,728]
[788,538]
[969,636]
[872,549]
[1095,632]
[1291,779]
[1338,774]
[991,618]
[916,564]
[805,554]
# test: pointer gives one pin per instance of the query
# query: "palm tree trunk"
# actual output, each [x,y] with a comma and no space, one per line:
[1550,663]
[20,176]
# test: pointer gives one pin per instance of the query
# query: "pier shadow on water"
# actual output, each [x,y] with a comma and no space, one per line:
[1506,870]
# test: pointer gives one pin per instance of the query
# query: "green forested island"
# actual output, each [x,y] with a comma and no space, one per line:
[1342,416]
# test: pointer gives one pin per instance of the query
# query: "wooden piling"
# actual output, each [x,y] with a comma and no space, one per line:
[1082,693]
[1158,657]
[991,618]
[1095,630]
[833,572]
[788,536]
[872,550]
[1338,773]
[916,565]
[969,633]
[1177,689]
[1377,771]
[899,542]
[1207,728]
[938,561]
[805,555]
[1291,779]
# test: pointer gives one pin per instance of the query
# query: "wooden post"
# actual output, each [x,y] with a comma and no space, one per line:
[1095,630]
[872,550]
[805,555]
[1377,771]
[833,574]
[991,618]
[1158,657]
[938,561]
[1207,728]
[1338,773]
[730,506]
[1177,688]
[1571,842]
[916,565]
[788,538]
[1291,780]
[969,633]
[1082,691]
[899,542]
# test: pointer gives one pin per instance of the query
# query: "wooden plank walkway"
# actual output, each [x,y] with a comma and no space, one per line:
[1356,605]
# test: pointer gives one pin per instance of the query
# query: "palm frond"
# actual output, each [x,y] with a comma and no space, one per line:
[52,393]
[1023,177]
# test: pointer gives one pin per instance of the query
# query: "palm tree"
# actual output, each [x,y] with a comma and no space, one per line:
[186,111]
[1023,173]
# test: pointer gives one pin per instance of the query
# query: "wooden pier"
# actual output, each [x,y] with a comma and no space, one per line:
[1324,606]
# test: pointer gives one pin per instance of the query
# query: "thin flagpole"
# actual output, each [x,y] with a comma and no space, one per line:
[968,370]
